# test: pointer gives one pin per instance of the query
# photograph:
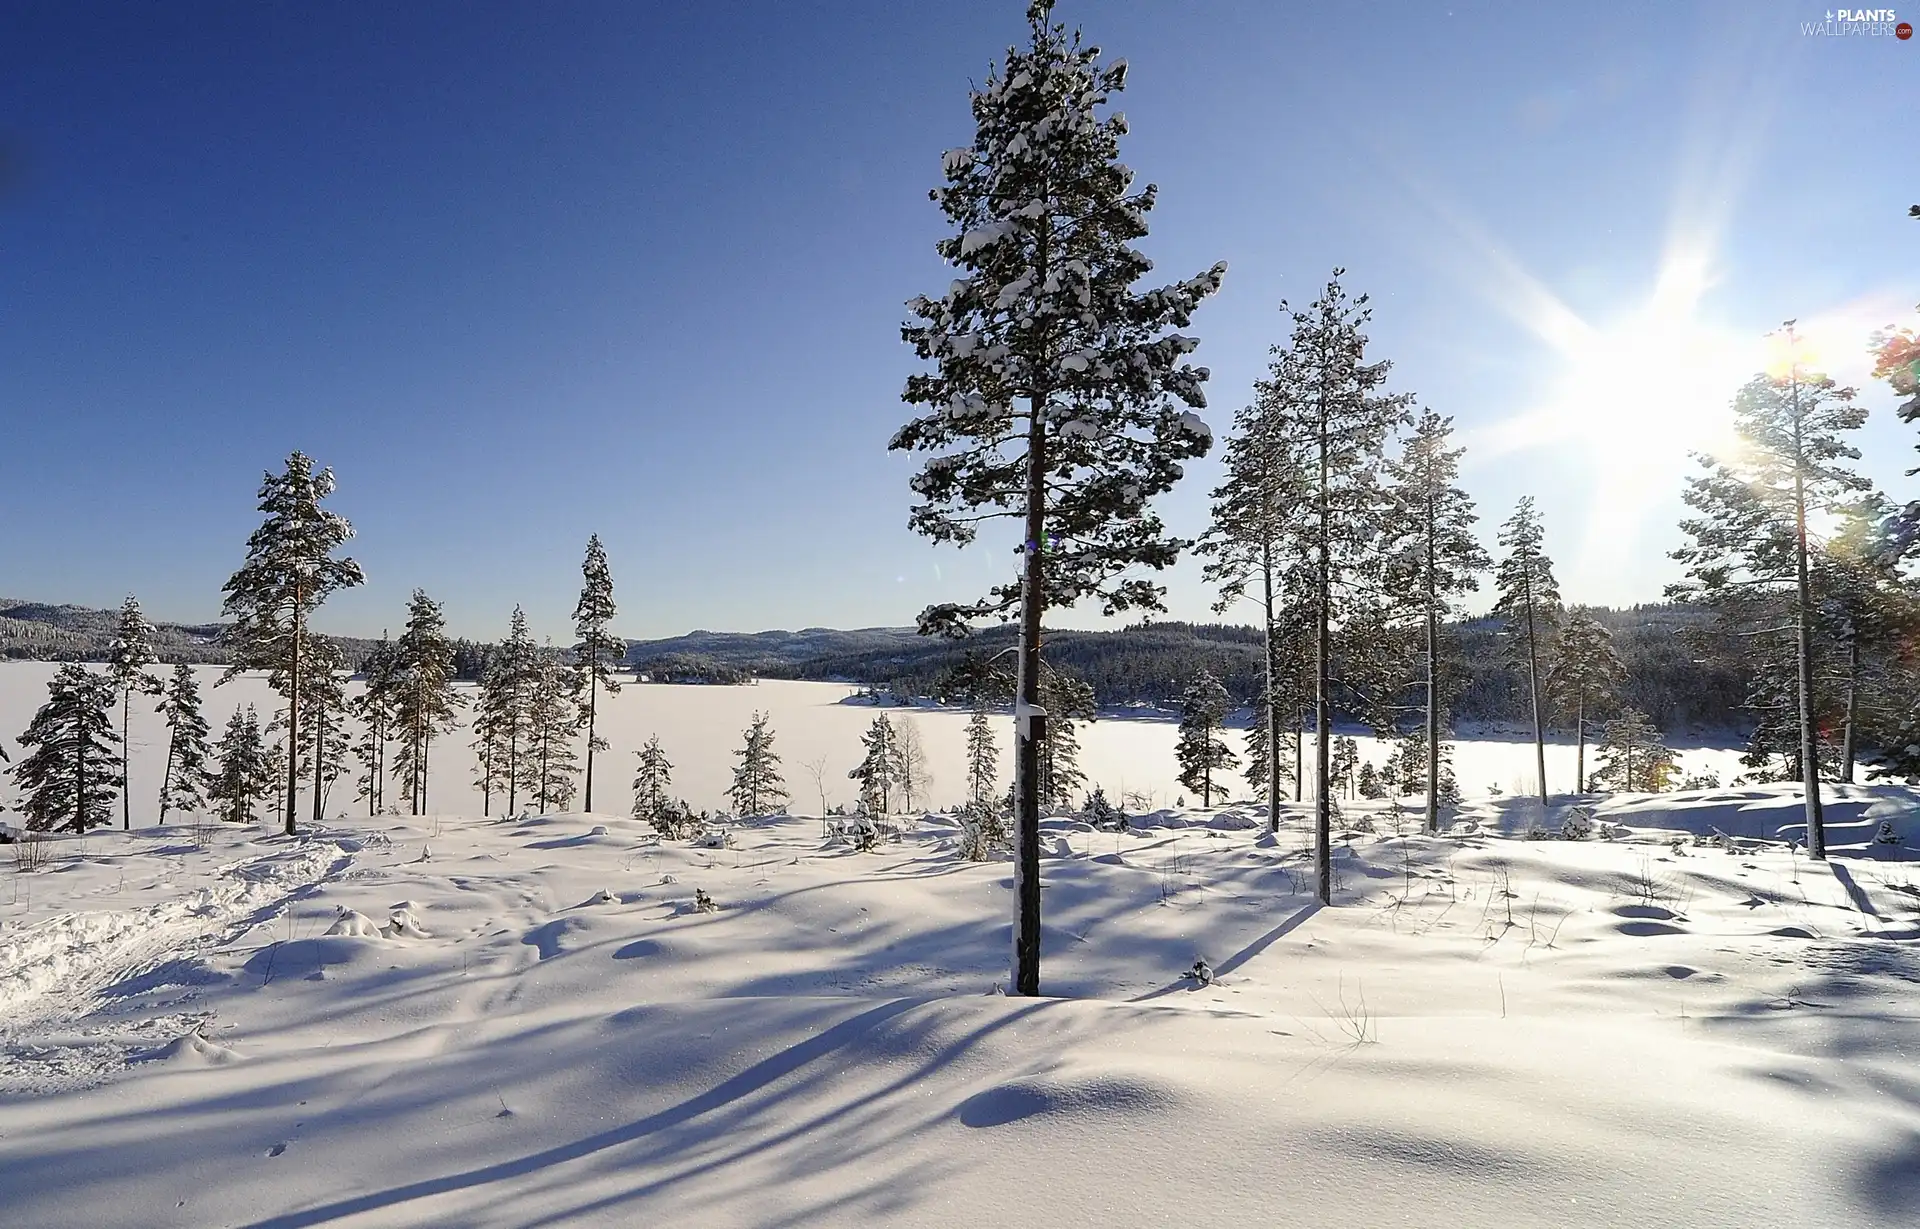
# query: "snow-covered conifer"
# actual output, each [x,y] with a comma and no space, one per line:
[1067,700]
[1057,393]
[1369,784]
[1323,401]
[188,772]
[983,758]
[289,571]
[245,774]
[1529,605]
[424,698]
[73,764]
[1632,756]
[651,778]
[127,667]
[1346,758]
[1750,533]
[554,716]
[1255,539]
[879,770]
[598,650]
[1586,670]
[373,707]
[757,786]
[1202,752]
[1431,561]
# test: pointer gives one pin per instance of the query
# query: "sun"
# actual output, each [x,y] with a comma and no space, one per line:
[1640,394]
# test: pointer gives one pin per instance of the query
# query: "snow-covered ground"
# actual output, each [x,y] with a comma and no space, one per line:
[1483,1030]
[484,1022]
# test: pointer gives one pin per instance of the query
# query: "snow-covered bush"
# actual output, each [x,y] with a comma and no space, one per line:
[1102,814]
[676,821]
[1578,825]
[983,831]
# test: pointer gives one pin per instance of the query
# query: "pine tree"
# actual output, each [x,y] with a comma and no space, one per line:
[1053,398]
[650,781]
[1346,758]
[374,709]
[507,696]
[555,715]
[1750,536]
[1584,675]
[246,773]
[323,743]
[1201,750]
[424,698]
[73,767]
[184,782]
[1058,776]
[1868,618]
[1896,359]
[757,785]
[983,758]
[1257,528]
[598,650]
[289,571]
[127,667]
[1530,605]
[1632,757]
[1324,403]
[1432,561]
[1370,786]
[878,771]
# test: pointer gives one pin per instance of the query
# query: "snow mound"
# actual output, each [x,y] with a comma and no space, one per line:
[354,922]
[192,1050]
[1056,1095]
[404,923]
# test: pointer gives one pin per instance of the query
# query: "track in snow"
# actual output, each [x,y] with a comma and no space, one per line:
[63,979]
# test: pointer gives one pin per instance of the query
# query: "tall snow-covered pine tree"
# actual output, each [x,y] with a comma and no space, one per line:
[289,571]
[1056,392]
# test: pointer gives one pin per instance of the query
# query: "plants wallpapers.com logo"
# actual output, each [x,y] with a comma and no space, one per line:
[1859,23]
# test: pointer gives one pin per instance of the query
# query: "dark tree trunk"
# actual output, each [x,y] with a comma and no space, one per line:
[1270,715]
[593,704]
[1847,742]
[1323,673]
[1029,721]
[126,747]
[1433,680]
[1533,686]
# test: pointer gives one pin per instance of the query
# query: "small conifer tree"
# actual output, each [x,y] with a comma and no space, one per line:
[188,772]
[73,764]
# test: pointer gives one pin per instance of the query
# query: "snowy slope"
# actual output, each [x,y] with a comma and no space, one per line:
[1483,1030]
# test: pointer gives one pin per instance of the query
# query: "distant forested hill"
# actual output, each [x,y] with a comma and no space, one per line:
[1145,664]
[1152,663]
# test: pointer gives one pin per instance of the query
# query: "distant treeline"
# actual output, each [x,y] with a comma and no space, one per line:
[1154,663]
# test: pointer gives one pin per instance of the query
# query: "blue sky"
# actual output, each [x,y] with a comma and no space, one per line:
[521,273]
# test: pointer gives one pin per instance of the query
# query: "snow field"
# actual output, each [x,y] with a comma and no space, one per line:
[700,729]
[456,1020]
[1500,1030]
